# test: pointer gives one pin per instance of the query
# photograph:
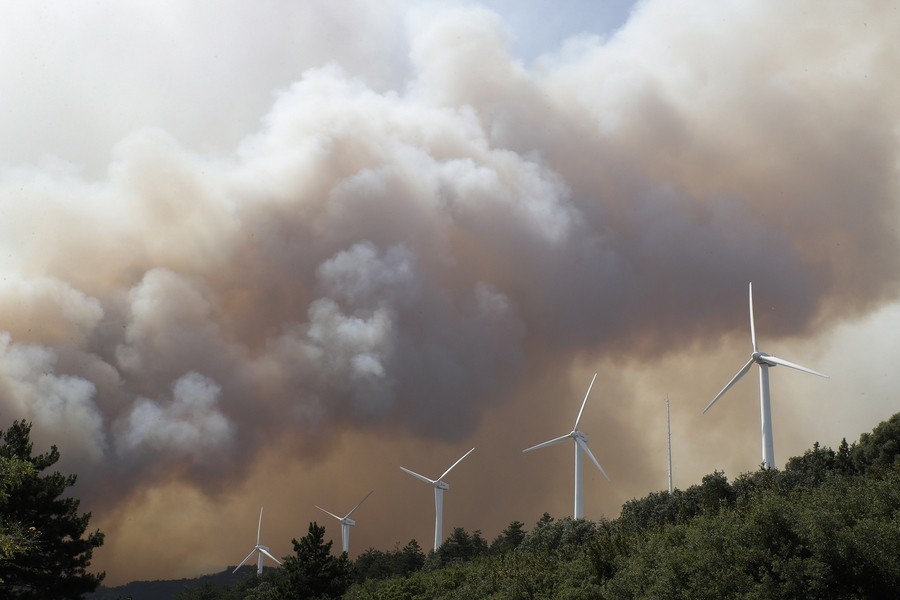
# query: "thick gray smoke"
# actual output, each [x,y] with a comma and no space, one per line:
[404,258]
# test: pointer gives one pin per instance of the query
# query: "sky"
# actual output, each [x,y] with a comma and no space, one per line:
[264,254]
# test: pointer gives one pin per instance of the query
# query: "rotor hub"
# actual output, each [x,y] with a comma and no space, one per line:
[760,358]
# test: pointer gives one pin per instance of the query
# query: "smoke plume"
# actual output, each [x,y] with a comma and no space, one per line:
[396,261]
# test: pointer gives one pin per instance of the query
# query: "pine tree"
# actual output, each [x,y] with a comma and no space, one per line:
[460,546]
[55,563]
[509,539]
[15,539]
[409,559]
[313,572]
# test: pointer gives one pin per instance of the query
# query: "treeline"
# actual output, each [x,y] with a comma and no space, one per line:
[826,526]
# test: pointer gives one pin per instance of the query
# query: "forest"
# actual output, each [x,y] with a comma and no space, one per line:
[825,526]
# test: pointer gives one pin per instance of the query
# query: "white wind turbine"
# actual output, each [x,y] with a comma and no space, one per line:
[346,523]
[439,487]
[259,549]
[764,361]
[580,446]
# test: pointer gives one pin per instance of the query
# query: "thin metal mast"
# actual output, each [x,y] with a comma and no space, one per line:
[669,434]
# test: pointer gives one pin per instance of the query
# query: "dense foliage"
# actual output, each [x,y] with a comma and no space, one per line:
[15,539]
[827,526]
[44,552]
[312,572]
[376,564]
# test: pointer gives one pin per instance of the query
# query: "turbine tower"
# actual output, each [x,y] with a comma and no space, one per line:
[346,523]
[439,487]
[580,440]
[764,361]
[259,549]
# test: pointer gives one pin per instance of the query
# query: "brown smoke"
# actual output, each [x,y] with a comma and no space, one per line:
[389,273]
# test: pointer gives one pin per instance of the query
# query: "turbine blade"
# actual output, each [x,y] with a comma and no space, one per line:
[326,512]
[752,326]
[549,443]
[259,527]
[784,363]
[266,552]
[417,476]
[358,505]
[590,454]
[734,380]
[578,419]
[456,463]
[243,561]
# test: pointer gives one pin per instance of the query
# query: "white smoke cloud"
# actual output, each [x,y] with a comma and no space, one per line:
[65,314]
[169,321]
[61,406]
[189,423]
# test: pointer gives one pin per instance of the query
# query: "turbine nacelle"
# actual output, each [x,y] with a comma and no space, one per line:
[442,485]
[346,521]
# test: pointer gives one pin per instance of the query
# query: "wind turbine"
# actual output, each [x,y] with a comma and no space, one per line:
[259,549]
[439,487]
[764,361]
[580,446]
[346,523]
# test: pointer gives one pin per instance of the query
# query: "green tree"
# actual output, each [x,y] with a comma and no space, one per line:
[655,509]
[460,546]
[843,461]
[410,558]
[313,572]
[545,519]
[373,564]
[509,539]
[715,493]
[55,563]
[378,564]
[611,542]
[14,537]
[558,536]
[811,469]
[879,449]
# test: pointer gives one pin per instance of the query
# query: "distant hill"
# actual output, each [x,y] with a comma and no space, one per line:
[168,589]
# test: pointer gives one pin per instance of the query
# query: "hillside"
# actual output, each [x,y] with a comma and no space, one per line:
[826,526]
[169,589]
